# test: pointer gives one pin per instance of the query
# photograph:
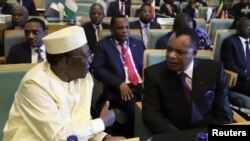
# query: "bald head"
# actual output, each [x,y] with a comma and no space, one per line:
[19,16]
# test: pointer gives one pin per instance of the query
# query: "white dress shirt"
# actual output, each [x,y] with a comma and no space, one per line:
[49,109]
[132,60]
[34,54]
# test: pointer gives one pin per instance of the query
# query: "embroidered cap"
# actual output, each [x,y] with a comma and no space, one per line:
[65,40]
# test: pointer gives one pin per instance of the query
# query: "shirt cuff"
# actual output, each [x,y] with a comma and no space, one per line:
[97,125]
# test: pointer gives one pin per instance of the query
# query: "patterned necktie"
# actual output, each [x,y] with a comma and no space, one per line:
[128,63]
[248,57]
[97,31]
[39,57]
[145,34]
[187,90]
[122,11]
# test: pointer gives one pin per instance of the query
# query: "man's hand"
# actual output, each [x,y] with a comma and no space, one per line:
[125,91]
[114,138]
[108,116]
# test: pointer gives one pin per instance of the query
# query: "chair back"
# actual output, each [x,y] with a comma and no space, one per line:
[11,76]
[133,10]
[83,9]
[12,37]
[203,12]
[219,38]
[201,23]
[245,11]
[154,35]
[218,24]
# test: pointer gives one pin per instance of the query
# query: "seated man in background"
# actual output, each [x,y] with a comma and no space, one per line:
[5,8]
[145,22]
[53,100]
[30,5]
[119,7]
[117,64]
[92,28]
[169,9]
[19,17]
[181,20]
[184,92]
[32,50]
[235,55]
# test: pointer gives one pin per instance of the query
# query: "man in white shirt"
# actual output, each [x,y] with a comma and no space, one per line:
[32,50]
[53,100]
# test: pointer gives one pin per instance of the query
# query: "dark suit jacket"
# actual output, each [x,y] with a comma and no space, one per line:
[164,10]
[6,9]
[162,43]
[108,67]
[90,34]
[233,56]
[113,9]
[20,53]
[165,108]
[31,7]
[137,25]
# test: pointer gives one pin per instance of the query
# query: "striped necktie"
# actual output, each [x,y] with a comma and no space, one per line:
[187,90]
[39,57]
[128,63]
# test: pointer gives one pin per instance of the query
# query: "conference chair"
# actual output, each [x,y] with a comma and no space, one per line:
[203,12]
[12,37]
[218,24]
[154,35]
[133,10]
[220,35]
[245,11]
[52,27]
[11,76]
[83,9]
[201,23]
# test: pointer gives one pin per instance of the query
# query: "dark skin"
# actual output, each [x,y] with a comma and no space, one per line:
[243,28]
[19,16]
[180,53]
[146,14]
[120,31]
[96,14]
[34,33]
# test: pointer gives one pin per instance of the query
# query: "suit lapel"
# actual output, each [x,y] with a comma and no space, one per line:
[240,47]
[114,53]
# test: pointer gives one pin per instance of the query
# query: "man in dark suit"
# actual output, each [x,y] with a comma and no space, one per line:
[30,5]
[145,23]
[181,20]
[19,17]
[234,55]
[183,92]
[169,9]
[32,50]
[119,7]
[93,27]
[117,64]
[5,7]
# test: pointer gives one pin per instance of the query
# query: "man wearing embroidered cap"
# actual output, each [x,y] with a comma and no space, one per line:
[53,99]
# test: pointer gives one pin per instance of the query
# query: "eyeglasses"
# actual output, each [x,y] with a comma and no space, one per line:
[180,52]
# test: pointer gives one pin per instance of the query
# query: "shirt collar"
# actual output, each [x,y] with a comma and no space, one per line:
[189,70]
[94,25]
[243,39]
[142,24]
[42,48]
